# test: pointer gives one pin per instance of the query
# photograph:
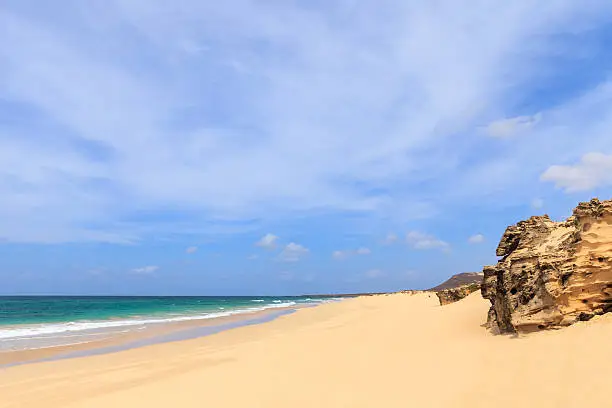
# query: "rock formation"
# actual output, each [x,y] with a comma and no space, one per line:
[457,287]
[552,274]
[410,292]
[452,295]
[459,279]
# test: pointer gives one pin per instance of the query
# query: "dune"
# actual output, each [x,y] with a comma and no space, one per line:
[378,351]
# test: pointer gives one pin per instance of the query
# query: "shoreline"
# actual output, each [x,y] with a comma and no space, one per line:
[144,336]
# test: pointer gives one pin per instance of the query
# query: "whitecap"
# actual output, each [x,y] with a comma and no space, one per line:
[37,330]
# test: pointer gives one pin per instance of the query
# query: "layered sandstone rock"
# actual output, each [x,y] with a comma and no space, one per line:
[552,274]
[452,295]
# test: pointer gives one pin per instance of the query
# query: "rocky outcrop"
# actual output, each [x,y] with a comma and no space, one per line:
[552,274]
[452,295]
[458,286]
[410,292]
[460,279]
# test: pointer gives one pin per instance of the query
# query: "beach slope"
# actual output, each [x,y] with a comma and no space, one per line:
[380,351]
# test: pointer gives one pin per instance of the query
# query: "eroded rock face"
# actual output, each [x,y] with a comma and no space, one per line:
[552,274]
[452,295]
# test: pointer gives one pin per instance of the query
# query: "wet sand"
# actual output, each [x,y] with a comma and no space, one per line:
[141,336]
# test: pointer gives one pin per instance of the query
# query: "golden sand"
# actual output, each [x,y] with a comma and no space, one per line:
[379,351]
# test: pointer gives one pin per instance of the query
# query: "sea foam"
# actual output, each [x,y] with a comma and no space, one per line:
[38,330]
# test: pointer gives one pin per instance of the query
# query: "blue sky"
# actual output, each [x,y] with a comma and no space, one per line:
[283,147]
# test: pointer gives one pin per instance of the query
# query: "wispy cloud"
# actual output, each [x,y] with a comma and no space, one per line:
[537,203]
[340,254]
[476,239]
[249,155]
[191,250]
[145,270]
[390,239]
[293,252]
[343,254]
[512,126]
[419,240]
[374,273]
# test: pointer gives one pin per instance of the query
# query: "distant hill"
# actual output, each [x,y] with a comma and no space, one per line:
[459,279]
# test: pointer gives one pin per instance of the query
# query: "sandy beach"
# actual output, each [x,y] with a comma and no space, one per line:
[380,351]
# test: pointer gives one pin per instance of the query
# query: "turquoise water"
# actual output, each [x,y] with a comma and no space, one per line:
[54,309]
[36,321]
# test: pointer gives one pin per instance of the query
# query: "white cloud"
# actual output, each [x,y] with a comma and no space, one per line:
[390,239]
[400,104]
[191,250]
[511,176]
[374,273]
[252,257]
[512,126]
[268,241]
[340,254]
[594,170]
[476,239]
[350,252]
[537,203]
[293,252]
[145,270]
[419,240]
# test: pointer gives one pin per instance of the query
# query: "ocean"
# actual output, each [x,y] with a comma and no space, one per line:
[28,322]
